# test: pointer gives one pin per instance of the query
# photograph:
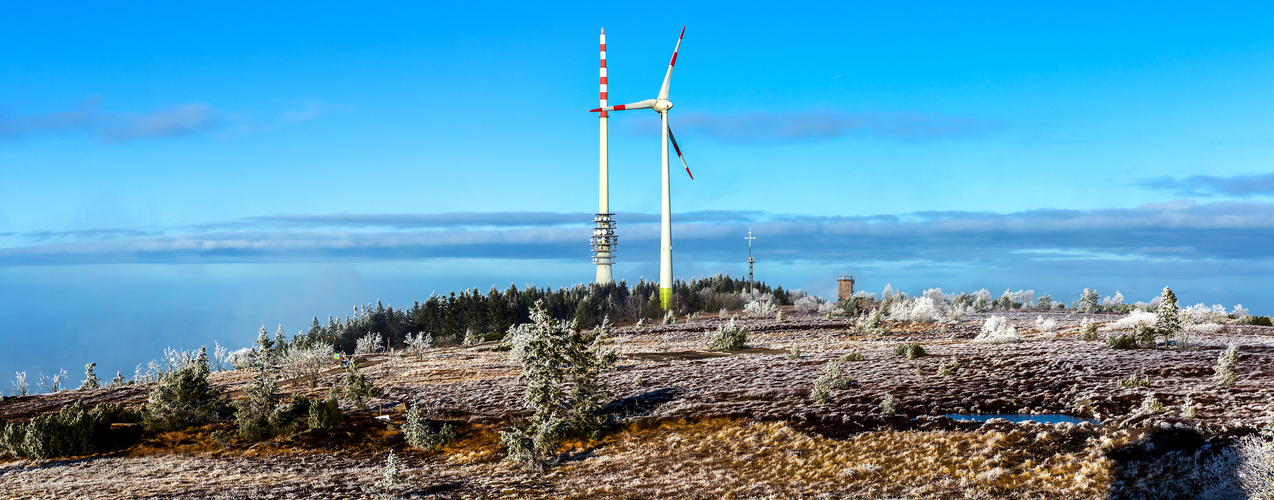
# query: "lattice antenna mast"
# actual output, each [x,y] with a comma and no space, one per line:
[751,285]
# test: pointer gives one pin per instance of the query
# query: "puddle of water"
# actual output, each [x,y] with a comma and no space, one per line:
[1015,417]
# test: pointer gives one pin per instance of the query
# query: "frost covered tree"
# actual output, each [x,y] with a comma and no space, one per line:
[183,397]
[90,379]
[1088,301]
[1168,317]
[561,366]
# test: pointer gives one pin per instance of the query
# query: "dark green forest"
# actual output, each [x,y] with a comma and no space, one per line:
[490,315]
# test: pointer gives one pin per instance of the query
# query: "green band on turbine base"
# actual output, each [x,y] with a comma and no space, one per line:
[665,298]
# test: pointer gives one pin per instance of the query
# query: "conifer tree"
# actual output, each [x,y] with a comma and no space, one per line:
[90,379]
[1168,317]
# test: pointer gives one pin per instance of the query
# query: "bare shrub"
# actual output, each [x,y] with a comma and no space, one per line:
[53,384]
[1256,467]
[919,310]
[808,304]
[761,308]
[369,344]
[419,344]
[304,364]
[997,330]
[1046,326]
[20,384]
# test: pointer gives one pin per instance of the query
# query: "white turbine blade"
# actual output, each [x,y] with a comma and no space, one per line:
[646,104]
[678,149]
[663,91]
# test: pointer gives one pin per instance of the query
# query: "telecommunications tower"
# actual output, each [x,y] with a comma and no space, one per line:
[751,261]
[603,239]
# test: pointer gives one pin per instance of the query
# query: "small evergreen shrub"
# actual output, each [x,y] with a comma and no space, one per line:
[853,356]
[728,337]
[471,339]
[948,368]
[1248,319]
[1133,381]
[1224,375]
[909,350]
[356,387]
[794,354]
[833,377]
[1150,406]
[670,317]
[1087,330]
[887,405]
[69,432]
[420,436]
[325,413]
[1143,335]
[389,480]
[256,416]
[183,397]
[872,324]
[1189,409]
[1120,341]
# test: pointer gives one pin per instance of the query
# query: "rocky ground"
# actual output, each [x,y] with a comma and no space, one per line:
[694,424]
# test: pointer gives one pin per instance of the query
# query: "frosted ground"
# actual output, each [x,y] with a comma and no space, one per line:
[695,424]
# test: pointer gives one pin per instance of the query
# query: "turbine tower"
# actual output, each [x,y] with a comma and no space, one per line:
[603,239]
[662,105]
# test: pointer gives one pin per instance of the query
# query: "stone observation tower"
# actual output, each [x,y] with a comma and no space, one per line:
[844,287]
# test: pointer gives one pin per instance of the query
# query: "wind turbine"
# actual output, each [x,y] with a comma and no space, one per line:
[662,105]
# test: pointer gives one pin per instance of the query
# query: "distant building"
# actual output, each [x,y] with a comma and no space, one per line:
[844,287]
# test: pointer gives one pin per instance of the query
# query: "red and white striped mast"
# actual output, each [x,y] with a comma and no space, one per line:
[603,240]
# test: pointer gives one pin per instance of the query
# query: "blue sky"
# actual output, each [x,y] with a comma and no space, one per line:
[178,174]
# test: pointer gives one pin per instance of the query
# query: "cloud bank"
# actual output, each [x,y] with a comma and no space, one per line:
[113,126]
[1225,231]
[118,127]
[1241,186]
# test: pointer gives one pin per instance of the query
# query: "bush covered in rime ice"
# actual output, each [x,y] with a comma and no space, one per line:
[997,330]
[921,310]
[762,307]
[368,344]
[808,304]
[728,337]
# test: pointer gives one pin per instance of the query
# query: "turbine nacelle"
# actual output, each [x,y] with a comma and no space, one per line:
[662,105]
